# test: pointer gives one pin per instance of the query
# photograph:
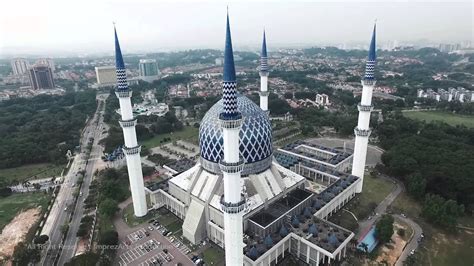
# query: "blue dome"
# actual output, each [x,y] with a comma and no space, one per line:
[255,138]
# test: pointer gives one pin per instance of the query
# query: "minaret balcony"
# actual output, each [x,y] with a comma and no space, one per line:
[232,168]
[264,71]
[362,132]
[132,150]
[233,207]
[368,82]
[365,108]
[264,93]
[231,123]
[124,94]
[128,123]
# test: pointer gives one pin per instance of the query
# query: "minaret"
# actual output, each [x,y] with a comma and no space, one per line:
[131,147]
[232,202]
[362,131]
[264,76]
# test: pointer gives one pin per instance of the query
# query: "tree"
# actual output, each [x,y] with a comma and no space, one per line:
[5,192]
[108,208]
[88,258]
[24,254]
[441,212]
[384,228]
[41,239]
[109,238]
[416,185]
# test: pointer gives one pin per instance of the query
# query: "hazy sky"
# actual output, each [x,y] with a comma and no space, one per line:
[78,26]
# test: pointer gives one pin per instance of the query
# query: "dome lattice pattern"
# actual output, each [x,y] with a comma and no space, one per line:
[255,137]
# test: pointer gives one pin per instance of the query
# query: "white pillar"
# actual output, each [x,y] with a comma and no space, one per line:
[264,90]
[132,154]
[232,202]
[362,132]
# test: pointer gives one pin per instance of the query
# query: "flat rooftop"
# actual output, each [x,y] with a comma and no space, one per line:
[316,152]
[181,165]
[323,234]
[276,209]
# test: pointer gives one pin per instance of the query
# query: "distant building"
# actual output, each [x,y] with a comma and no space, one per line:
[219,61]
[459,94]
[19,66]
[322,99]
[106,76]
[148,69]
[41,77]
[46,61]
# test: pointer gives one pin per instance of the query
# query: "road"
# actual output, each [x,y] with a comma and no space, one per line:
[95,131]
[382,209]
[58,216]
[413,244]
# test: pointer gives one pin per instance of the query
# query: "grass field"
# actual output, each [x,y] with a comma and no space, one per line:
[374,191]
[30,171]
[188,133]
[13,204]
[213,255]
[449,118]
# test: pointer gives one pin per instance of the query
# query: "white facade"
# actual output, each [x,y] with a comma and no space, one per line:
[19,66]
[106,75]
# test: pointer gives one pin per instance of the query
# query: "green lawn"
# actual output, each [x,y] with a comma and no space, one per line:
[30,171]
[373,192]
[213,255]
[175,226]
[13,204]
[188,133]
[449,118]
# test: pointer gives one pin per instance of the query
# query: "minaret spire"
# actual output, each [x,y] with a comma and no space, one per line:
[371,59]
[264,75]
[128,123]
[229,83]
[231,164]
[362,131]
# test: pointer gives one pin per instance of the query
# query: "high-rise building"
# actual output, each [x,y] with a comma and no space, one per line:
[19,66]
[362,131]
[41,77]
[131,147]
[48,62]
[148,69]
[264,76]
[106,76]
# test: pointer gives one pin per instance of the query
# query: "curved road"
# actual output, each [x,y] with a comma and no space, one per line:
[413,244]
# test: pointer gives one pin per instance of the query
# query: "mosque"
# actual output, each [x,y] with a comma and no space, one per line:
[258,203]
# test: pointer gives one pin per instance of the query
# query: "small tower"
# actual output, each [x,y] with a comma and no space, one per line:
[232,202]
[264,76]
[362,131]
[131,147]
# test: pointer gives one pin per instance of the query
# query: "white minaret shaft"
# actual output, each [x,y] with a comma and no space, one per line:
[232,202]
[362,131]
[128,123]
[264,76]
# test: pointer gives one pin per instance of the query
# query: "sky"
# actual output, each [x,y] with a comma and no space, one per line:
[85,26]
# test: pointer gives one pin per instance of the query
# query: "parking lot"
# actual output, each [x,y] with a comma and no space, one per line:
[149,245]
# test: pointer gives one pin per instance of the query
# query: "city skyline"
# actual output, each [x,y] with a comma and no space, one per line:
[169,26]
